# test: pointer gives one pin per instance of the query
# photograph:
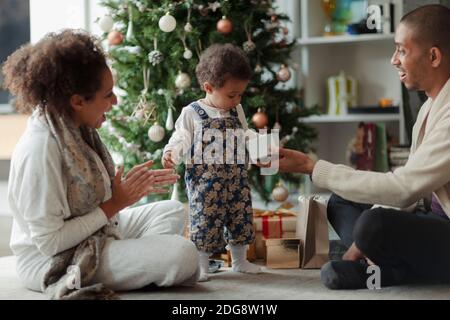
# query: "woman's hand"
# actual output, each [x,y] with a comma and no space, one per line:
[138,182]
[293,161]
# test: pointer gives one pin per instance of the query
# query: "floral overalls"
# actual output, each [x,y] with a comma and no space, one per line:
[219,194]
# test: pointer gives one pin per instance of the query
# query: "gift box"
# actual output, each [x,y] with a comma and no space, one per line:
[272,225]
[283,253]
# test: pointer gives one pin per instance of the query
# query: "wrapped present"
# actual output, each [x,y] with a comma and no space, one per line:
[283,253]
[272,225]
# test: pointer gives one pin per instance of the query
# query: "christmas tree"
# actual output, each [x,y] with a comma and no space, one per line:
[154,47]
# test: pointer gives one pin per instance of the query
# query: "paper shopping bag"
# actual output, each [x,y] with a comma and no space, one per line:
[312,230]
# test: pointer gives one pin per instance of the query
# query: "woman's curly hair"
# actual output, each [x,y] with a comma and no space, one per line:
[48,73]
[221,61]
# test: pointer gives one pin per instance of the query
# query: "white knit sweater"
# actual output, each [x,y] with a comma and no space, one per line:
[38,199]
[427,169]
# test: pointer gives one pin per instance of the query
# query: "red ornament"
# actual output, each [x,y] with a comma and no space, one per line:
[260,119]
[115,38]
[224,25]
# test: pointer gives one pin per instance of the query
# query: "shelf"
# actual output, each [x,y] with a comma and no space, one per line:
[351,118]
[12,127]
[345,39]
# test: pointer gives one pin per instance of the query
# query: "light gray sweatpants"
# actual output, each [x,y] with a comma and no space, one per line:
[152,251]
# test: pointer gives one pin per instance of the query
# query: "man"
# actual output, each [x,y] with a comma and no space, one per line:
[407,245]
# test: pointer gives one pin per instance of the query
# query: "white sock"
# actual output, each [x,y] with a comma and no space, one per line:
[204,266]
[239,260]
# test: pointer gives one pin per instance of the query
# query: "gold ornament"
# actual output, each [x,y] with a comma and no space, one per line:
[144,110]
[283,74]
[260,119]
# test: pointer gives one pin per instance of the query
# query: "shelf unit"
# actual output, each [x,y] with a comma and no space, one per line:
[365,57]
[351,118]
[344,39]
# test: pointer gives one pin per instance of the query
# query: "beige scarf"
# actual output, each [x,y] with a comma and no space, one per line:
[85,191]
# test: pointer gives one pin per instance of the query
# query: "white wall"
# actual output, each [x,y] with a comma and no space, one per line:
[53,15]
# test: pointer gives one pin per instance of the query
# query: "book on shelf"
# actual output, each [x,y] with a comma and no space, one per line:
[398,156]
[374,110]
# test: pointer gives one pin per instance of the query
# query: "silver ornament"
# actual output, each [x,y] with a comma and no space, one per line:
[249,46]
[155,57]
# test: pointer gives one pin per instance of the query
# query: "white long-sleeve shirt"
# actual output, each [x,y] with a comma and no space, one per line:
[185,125]
[38,199]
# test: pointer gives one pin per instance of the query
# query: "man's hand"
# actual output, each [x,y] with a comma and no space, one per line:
[292,161]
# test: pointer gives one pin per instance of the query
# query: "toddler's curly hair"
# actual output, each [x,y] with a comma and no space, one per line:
[220,62]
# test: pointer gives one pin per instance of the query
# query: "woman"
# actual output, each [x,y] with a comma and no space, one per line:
[70,230]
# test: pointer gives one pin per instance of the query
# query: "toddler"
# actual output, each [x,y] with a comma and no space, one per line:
[218,191]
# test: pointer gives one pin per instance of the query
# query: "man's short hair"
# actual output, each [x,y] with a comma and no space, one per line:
[431,26]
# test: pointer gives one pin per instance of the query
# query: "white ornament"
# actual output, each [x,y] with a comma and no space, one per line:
[175,195]
[156,132]
[187,54]
[169,121]
[167,23]
[106,23]
[188,27]
[119,25]
[134,50]
[130,32]
[182,81]
[280,193]
[214,6]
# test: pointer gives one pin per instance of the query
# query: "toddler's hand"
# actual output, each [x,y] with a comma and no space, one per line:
[167,161]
